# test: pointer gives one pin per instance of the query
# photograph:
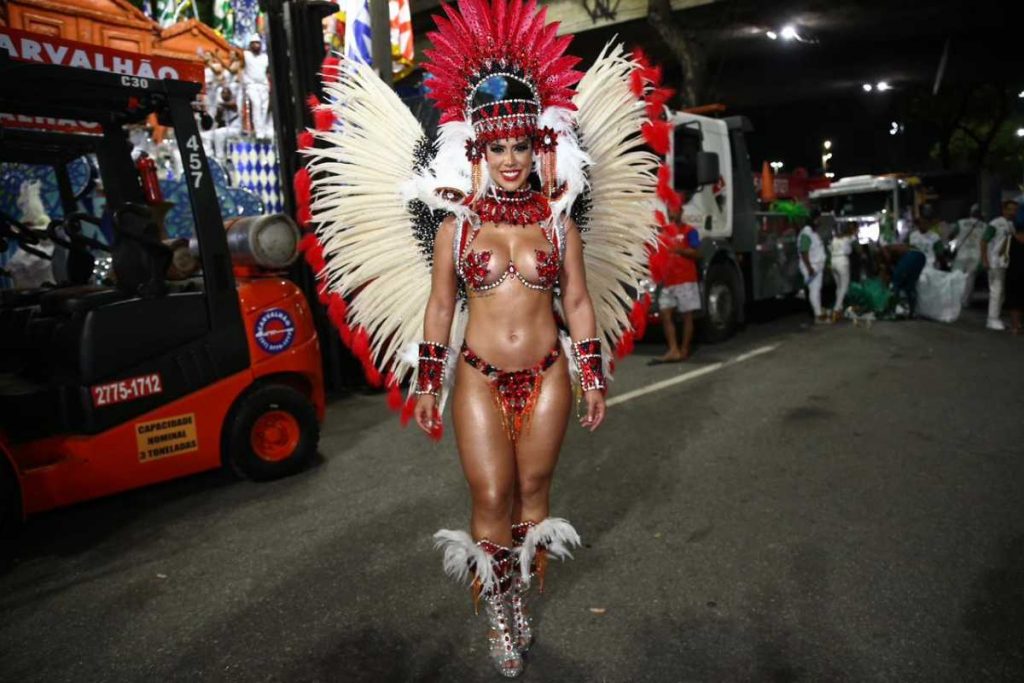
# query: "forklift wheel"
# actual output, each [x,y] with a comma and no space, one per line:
[272,432]
[10,508]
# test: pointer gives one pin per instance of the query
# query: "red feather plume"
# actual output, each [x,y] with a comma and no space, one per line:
[673,200]
[485,35]
[330,68]
[394,398]
[657,134]
[303,186]
[407,410]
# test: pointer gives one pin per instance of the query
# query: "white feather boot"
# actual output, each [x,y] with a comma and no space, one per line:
[531,543]
[553,536]
[492,568]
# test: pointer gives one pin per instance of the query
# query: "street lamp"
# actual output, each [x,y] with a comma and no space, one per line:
[1020,132]
[772,35]
[827,144]
[776,165]
[883,86]
[789,32]
[867,87]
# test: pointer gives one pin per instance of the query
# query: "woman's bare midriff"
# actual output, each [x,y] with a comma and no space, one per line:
[511,326]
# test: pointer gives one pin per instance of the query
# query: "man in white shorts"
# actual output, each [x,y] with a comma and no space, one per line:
[680,291]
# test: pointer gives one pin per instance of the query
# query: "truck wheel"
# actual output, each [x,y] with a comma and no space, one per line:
[722,301]
[271,432]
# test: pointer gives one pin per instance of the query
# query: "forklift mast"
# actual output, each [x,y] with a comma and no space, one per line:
[296,51]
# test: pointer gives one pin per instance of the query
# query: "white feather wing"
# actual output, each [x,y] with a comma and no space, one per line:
[373,256]
[622,190]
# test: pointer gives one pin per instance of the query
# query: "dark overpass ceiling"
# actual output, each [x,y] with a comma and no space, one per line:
[851,42]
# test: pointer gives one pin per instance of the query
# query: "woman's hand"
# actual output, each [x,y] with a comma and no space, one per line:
[595,409]
[426,413]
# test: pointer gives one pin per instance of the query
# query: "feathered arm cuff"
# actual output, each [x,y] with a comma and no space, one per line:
[430,375]
[587,353]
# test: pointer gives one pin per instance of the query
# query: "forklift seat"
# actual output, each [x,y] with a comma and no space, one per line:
[140,262]
[140,259]
[68,300]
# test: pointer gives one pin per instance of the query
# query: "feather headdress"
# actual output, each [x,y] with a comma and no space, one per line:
[501,68]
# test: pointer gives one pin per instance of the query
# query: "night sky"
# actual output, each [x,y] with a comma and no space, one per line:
[800,93]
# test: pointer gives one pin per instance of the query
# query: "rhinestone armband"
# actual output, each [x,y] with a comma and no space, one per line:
[588,359]
[431,368]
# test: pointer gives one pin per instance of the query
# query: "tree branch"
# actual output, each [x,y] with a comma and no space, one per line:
[684,47]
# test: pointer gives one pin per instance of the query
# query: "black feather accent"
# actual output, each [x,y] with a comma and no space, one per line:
[425,222]
[423,154]
[580,211]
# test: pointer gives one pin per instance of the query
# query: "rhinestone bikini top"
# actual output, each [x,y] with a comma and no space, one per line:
[476,268]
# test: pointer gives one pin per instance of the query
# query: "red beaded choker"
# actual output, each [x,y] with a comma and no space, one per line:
[518,207]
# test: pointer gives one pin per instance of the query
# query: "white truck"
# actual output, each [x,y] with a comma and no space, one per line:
[747,255]
[880,206]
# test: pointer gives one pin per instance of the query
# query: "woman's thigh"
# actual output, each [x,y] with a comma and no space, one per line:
[488,459]
[539,444]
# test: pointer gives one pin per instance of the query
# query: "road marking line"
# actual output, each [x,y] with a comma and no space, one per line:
[687,376]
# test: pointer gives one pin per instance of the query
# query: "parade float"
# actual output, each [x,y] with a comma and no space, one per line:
[246,175]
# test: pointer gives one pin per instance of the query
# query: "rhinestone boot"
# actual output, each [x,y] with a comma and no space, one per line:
[520,617]
[491,568]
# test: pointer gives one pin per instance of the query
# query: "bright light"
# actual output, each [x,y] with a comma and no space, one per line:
[868,87]
[1020,132]
[827,144]
[868,232]
[776,165]
[789,32]
[772,35]
[895,128]
[826,157]
[883,86]
[830,174]
[1021,94]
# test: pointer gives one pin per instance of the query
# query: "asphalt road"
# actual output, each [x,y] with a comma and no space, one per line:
[843,504]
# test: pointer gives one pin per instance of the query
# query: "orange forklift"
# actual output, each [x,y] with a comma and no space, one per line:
[109,388]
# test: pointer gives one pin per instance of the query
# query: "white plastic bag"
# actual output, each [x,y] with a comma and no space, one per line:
[939,294]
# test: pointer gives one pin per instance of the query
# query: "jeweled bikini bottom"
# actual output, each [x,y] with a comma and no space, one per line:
[515,392]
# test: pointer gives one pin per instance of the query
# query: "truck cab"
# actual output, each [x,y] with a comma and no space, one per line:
[747,254]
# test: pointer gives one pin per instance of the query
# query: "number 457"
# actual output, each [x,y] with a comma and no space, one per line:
[195,164]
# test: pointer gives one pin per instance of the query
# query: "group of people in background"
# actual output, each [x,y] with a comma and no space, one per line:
[236,99]
[972,245]
[968,247]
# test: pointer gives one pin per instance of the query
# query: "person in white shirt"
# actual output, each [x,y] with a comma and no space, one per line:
[841,248]
[928,243]
[256,87]
[995,256]
[967,233]
[227,123]
[812,263]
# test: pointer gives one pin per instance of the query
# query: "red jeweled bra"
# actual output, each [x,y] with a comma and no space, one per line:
[518,207]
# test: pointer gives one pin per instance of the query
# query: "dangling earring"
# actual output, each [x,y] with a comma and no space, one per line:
[477,175]
[546,142]
[550,166]
[475,155]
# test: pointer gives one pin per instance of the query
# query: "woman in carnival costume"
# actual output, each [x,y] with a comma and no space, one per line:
[460,275]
